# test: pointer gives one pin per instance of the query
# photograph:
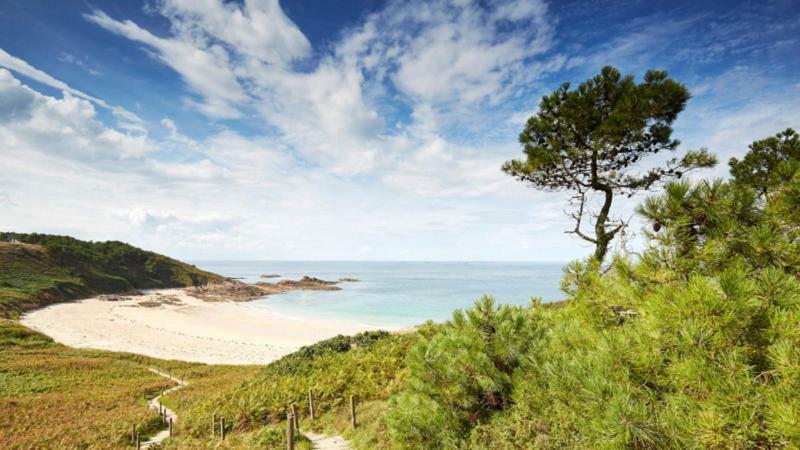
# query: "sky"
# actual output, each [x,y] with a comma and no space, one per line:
[347,129]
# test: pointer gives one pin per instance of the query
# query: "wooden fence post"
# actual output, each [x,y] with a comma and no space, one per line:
[290,431]
[296,417]
[222,428]
[133,434]
[310,405]
[353,411]
[138,446]
[170,427]
[213,424]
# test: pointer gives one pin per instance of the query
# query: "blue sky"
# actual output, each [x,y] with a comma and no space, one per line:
[346,129]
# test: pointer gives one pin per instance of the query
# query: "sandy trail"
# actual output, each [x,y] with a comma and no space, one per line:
[184,328]
[324,442]
[155,403]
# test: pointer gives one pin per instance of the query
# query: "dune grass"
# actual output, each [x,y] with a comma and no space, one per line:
[53,396]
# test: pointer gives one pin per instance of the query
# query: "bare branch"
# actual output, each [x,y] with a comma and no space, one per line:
[581,199]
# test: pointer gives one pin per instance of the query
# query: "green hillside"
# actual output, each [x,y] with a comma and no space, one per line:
[39,269]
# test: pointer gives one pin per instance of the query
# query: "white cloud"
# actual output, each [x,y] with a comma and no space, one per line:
[258,29]
[436,53]
[65,127]
[206,70]
[461,53]
[5,200]
[125,117]
[22,67]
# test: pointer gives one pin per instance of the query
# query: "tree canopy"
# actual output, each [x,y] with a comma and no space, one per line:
[588,139]
[770,162]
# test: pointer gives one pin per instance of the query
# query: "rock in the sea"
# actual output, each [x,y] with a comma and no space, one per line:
[235,291]
[270,275]
[310,283]
[242,292]
[348,280]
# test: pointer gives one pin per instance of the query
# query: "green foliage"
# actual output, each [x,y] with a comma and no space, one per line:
[14,334]
[368,366]
[301,361]
[40,269]
[52,396]
[692,344]
[770,163]
[460,373]
[588,139]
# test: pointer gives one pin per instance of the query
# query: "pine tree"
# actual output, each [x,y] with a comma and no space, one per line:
[589,139]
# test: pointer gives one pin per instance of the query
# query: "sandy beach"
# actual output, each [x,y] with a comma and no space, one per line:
[171,324]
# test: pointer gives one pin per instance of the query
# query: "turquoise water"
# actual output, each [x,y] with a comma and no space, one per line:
[397,294]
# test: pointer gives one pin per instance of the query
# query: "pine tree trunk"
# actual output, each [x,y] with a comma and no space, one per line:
[603,237]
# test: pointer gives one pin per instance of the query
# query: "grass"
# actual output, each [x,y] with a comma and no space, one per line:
[53,396]
[370,432]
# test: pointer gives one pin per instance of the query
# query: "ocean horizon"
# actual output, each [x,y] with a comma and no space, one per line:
[397,294]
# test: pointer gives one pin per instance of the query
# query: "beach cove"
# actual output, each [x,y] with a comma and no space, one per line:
[175,325]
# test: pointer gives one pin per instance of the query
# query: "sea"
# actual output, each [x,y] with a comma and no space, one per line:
[396,294]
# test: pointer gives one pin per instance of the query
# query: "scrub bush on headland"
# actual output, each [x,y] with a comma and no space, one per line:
[694,343]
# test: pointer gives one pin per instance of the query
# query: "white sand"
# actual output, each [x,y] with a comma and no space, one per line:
[215,333]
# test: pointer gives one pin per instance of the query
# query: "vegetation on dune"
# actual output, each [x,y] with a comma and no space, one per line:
[368,365]
[53,396]
[39,269]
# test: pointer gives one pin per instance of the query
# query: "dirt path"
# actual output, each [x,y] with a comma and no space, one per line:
[324,442]
[155,403]
[319,441]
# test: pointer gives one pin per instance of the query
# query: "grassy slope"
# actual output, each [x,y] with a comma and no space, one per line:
[53,396]
[44,269]
[369,366]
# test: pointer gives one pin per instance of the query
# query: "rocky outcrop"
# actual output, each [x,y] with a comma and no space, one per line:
[304,284]
[222,292]
[241,292]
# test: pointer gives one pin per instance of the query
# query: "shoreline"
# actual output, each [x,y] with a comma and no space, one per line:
[183,327]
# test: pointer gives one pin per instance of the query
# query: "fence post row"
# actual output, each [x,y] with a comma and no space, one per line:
[296,417]
[310,405]
[353,411]
[290,431]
